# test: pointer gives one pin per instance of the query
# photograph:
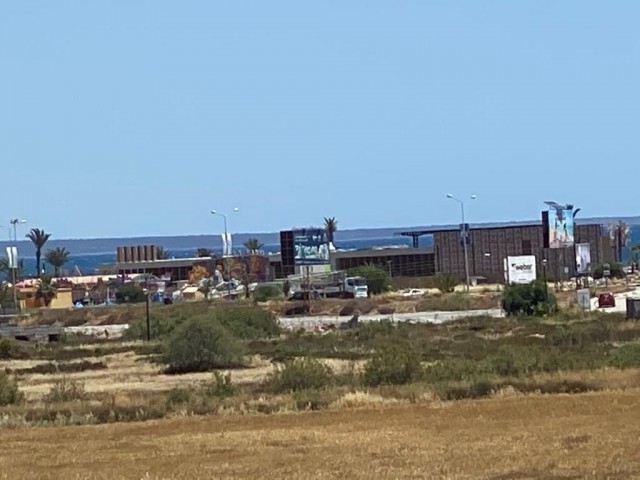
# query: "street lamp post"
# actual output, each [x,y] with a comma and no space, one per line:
[225,246]
[465,237]
[15,222]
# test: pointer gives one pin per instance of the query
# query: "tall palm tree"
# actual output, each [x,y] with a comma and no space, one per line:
[46,290]
[253,245]
[163,254]
[58,257]
[39,238]
[331,226]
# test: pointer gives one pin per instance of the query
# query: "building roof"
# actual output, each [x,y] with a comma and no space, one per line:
[418,232]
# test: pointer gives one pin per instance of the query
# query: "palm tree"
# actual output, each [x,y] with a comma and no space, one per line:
[162,254]
[58,257]
[331,226]
[253,245]
[46,290]
[38,237]
[204,252]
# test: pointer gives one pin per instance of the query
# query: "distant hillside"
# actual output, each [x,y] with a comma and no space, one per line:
[182,242]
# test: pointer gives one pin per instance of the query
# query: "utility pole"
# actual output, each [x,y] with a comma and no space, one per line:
[465,238]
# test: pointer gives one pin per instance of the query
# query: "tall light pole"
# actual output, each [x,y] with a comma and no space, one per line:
[465,236]
[15,222]
[225,245]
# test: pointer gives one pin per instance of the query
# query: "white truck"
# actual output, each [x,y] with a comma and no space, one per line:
[330,284]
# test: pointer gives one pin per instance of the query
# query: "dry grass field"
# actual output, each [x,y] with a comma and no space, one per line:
[593,435]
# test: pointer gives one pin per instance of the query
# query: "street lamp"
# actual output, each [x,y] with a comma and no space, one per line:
[226,232]
[14,260]
[226,249]
[465,236]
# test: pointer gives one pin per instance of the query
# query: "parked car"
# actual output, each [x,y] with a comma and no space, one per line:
[606,300]
[412,292]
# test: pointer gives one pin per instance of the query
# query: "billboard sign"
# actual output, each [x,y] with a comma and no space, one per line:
[311,246]
[521,269]
[560,227]
[583,258]
[12,257]
[584,298]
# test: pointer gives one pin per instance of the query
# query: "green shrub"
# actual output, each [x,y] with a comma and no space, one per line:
[527,299]
[368,331]
[130,293]
[221,386]
[616,269]
[242,321]
[377,278]
[199,345]
[268,291]
[393,364]
[445,282]
[248,322]
[9,391]
[300,374]
[66,390]
[627,356]
[178,396]
[6,346]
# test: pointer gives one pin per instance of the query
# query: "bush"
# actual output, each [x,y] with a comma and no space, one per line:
[627,356]
[221,386]
[377,278]
[527,299]
[300,374]
[393,364]
[248,322]
[9,392]
[130,293]
[199,345]
[445,282]
[66,390]
[177,396]
[6,346]
[266,292]
[616,269]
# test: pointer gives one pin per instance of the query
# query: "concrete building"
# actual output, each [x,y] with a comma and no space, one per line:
[489,246]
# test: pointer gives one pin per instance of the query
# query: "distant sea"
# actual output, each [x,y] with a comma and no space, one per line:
[88,255]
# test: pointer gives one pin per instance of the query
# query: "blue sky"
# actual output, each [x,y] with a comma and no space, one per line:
[122,118]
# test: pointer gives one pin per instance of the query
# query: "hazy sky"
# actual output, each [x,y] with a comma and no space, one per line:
[136,117]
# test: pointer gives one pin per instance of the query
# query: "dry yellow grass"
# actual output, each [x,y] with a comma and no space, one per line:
[593,435]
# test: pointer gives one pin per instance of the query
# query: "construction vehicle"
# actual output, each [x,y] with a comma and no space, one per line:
[327,284]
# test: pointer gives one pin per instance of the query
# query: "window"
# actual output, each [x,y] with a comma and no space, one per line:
[526,247]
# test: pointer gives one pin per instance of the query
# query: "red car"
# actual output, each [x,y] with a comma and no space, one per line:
[606,300]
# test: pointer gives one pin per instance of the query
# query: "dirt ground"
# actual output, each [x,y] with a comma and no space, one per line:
[131,373]
[591,435]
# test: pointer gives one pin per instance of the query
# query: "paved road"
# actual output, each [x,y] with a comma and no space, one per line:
[312,322]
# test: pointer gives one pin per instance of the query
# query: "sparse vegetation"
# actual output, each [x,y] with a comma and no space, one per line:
[9,391]
[393,364]
[66,390]
[445,282]
[300,374]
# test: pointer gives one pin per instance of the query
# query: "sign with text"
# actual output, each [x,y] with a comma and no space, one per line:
[521,269]
[584,298]
[310,246]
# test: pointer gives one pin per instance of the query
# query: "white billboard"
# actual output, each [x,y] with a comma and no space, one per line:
[521,269]
[583,258]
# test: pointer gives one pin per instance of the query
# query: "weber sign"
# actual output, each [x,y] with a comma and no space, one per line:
[521,269]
